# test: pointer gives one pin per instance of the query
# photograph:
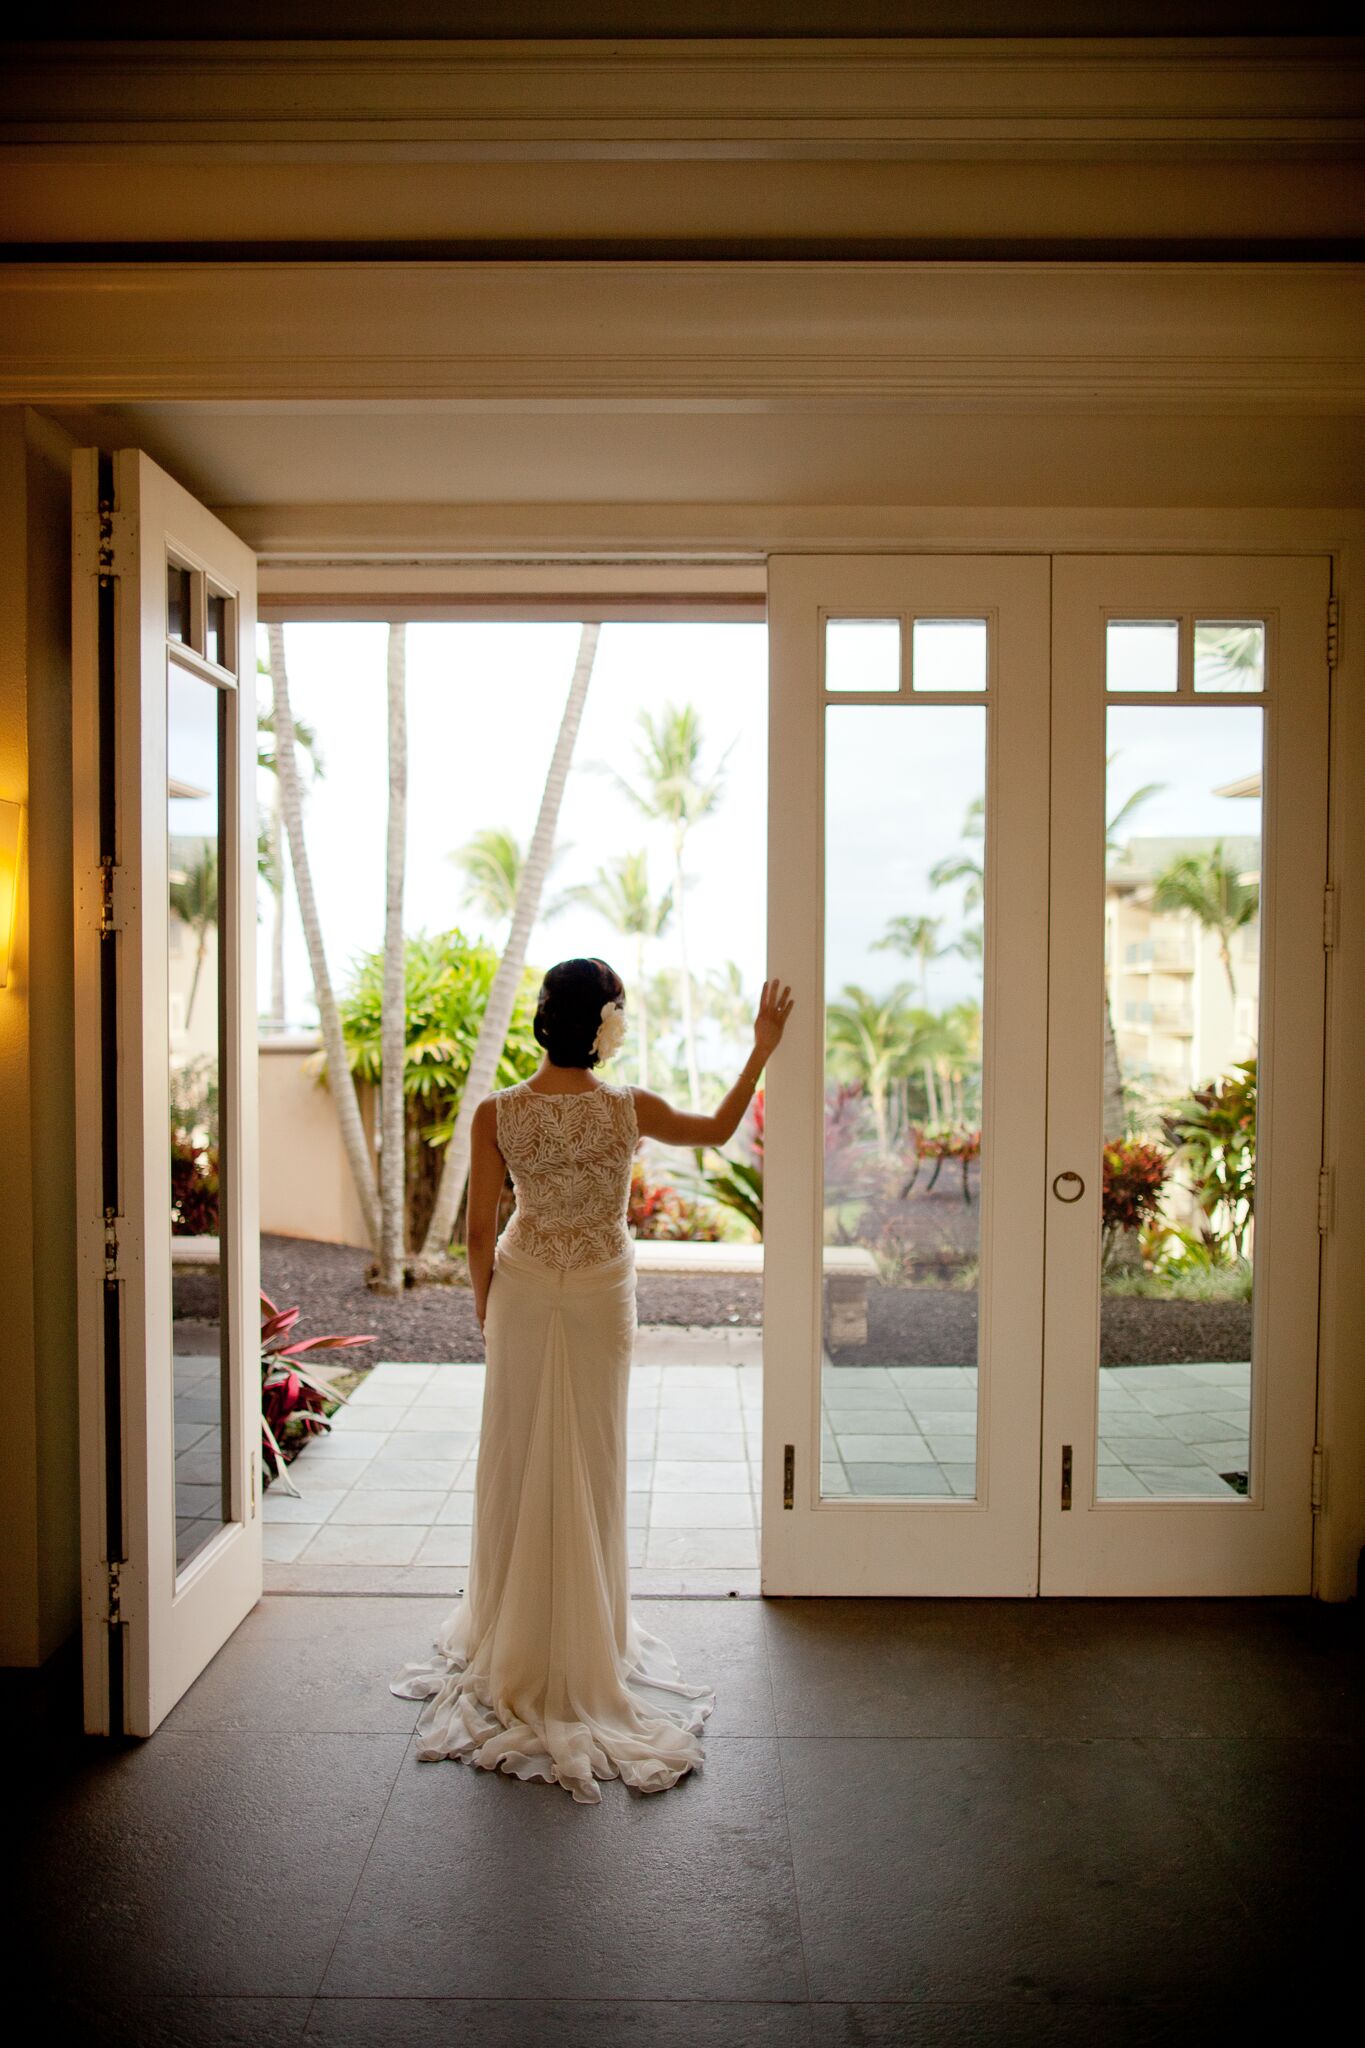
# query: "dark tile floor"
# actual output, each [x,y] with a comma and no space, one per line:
[919,1822]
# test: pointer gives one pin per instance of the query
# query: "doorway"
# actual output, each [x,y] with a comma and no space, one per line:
[945,1231]
[1043,1262]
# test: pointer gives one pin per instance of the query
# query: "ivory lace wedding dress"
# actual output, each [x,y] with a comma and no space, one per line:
[542,1670]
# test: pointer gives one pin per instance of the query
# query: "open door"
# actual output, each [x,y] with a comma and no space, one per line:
[164,616]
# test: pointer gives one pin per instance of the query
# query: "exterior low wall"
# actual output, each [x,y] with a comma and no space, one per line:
[306,1186]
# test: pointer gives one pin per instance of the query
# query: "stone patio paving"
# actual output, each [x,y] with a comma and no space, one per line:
[387,1498]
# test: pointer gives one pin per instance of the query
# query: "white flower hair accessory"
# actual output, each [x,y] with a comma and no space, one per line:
[611,1031]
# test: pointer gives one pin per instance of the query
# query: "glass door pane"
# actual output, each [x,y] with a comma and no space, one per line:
[195,922]
[904,941]
[1182,915]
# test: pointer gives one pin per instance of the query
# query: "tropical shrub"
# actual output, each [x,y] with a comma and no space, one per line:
[656,1209]
[1214,1135]
[448,977]
[1134,1173]
[298,1398]
[194,1148]
[738,1183]
[194,1187]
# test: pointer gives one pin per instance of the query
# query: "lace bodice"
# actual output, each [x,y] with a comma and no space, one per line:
[570,1159]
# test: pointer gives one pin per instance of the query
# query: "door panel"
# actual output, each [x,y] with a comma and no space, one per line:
[903,1244]
[164,692]
[1190,730]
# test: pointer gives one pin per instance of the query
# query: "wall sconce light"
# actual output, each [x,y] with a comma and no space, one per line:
[10,815]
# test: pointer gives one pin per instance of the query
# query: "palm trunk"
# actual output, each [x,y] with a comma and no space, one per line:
[201,946]
[502,996]
[276,832]
[689,1026]
[339,1077]
[931,1090]
[1225,954]
[1114,1111]
[393,1017]
[877,1090]
[642,1005]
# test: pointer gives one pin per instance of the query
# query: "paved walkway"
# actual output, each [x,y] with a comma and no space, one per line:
[387,1498]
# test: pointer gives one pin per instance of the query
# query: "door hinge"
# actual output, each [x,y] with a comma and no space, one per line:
[106,898]
[1331,927]
[102,539]
[111,1246]
[789,1475]
[1324,1198]
[115,1614]
[1317,1478]
[106,916]
[1333,631]
[1066,1477]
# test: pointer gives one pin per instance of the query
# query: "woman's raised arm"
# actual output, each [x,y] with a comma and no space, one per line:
[659,1119]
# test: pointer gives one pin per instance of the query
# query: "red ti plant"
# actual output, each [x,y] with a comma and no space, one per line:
[291,1389]
[1134,1174]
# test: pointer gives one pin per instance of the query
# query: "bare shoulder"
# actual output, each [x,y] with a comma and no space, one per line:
[649,1109]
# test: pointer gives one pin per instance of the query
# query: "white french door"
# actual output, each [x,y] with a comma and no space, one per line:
[1047,860]
[163,607]
[1204,684]
[909,738]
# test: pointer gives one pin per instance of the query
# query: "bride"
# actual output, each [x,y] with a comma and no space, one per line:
[542,1669]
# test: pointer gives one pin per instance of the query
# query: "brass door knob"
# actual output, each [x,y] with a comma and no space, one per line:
[1064,1179]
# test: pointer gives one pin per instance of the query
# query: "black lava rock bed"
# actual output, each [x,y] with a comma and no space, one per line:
[906,1326]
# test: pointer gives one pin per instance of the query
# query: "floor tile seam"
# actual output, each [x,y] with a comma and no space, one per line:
[364,1863]
[786,1814]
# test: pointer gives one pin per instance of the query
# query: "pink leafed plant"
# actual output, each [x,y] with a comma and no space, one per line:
[294,1388]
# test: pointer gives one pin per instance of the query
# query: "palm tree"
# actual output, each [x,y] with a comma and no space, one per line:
[502,996]
[393,1014]
[194,899]
[271,853]
[620,894]
[492,863]
[675,792]
[916,938]
[963,867]
[873,1039]
[1209,887]
[339,1077]
[1113,1106]
[727,1000]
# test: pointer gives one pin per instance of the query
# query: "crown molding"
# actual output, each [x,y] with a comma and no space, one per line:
[739,336]
[1197,100]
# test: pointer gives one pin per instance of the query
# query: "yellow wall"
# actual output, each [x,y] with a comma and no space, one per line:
[39,1558]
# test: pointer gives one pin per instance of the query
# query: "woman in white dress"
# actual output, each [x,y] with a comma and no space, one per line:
[542,1669]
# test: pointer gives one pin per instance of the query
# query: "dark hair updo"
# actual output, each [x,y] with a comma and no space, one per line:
[569,1009]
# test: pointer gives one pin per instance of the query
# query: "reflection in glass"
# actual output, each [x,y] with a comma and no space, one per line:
[217,646]
[1229,655]
[904,866]
[1142,654]
[178,585]
[948,654]
[194,948]
[862,654]
[1182,947]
